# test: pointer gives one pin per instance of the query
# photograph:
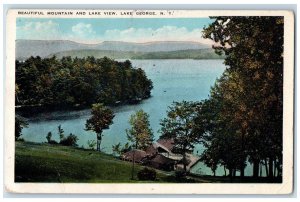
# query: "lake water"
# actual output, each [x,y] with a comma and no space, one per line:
[173,80]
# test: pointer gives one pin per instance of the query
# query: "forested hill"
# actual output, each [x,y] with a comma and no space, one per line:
[179,54]
[44,48]
[79,82]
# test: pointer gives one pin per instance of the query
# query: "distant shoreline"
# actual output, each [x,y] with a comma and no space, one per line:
[46,48]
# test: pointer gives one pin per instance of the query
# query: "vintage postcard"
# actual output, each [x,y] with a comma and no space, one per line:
[149,101]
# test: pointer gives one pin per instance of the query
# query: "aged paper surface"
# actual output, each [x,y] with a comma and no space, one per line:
[50,25]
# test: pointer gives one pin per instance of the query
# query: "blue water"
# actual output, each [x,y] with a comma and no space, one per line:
[173,80]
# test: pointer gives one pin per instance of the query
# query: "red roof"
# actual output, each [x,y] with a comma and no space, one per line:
[168,143]
[151,150]
[160,159]
[139,155]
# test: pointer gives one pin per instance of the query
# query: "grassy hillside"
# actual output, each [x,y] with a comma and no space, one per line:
[181,54]
[36,162]
[55,163]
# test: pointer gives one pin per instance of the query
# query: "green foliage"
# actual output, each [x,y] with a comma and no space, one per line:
[70,140]
[91,144]
[126,148]
[49,139]
[49,136]
[118,149]
[61,132]
[211,158]
[20,123]
[147,174]
[180,126]
[79,82]
[100,120]
[140,132]
[243,116]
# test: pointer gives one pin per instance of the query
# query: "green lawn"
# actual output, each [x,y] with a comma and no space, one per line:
[36,162]
[56,163]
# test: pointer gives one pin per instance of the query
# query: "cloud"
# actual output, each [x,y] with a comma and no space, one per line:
[83,30]
[165,33]
[39,30]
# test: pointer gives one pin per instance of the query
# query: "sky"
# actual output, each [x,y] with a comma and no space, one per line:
[96,30]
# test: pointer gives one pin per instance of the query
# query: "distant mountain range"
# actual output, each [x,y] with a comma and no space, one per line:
[179,54]
[115,49]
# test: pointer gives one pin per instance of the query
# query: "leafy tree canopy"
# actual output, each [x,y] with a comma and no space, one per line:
[140,132]
[101,119]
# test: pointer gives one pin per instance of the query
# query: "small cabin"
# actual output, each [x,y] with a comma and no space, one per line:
[161,162]
[137,155]
[159,155]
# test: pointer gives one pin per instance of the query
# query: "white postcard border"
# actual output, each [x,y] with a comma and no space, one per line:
[285,187]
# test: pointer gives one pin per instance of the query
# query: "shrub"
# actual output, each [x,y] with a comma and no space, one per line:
[20,123]
[53,142]
[71,140]
[147,174]
[91,144]
[118,149]
[180,174]
[49,139]
[20,139]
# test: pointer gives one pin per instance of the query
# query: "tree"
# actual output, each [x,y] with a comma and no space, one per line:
[100,120]
[253,48]
[69,82]
[20,123]
[211,159]
[140,132]
[118,149]
[49,137]
[220,135]
[91,144]
[70,140]
[179,126]
[61,132]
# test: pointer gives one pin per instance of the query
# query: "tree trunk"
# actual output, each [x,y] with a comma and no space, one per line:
[266,165]
[230,174]
[255,168]
[99,139]
[278,166]
[225,171]
[271,167]
[278,169]
[260,170]
[242,170]
[242,163]
[274,169]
